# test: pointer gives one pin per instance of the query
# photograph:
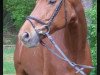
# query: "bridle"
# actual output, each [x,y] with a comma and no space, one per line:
[77,67]
[47,25]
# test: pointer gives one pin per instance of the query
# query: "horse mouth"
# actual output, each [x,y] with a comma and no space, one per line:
[31,43]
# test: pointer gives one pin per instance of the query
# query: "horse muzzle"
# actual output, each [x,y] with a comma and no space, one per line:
[30,40]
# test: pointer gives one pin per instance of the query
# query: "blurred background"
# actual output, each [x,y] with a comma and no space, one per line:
[15,13]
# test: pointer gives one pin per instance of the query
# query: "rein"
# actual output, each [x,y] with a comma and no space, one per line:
[77,67]
[62,56]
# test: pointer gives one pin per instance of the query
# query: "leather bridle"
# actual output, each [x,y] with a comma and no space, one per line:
[47,25]
[77,67]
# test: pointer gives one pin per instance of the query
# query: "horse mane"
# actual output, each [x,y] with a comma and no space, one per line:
[76,31]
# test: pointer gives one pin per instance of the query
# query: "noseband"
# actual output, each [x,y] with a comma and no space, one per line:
[77,67]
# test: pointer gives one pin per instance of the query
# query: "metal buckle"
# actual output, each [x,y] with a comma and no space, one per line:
[47,30]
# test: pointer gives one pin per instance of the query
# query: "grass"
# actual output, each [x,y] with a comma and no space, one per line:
[8,65]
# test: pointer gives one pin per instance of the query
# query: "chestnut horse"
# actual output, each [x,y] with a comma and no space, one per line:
[69,29]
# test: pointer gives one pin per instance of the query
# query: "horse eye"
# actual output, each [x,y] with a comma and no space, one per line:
[52,1]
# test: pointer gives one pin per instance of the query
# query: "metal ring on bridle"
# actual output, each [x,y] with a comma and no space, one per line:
[48,28]
[43,32]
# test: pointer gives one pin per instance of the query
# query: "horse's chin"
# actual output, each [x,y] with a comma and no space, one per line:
[31,45]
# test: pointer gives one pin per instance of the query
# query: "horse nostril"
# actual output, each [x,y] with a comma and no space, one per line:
[25,36]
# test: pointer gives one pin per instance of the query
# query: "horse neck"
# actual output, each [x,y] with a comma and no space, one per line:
[72,38]
[70,42]
[75,32]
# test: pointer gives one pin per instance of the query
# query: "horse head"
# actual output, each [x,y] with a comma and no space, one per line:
[45,14]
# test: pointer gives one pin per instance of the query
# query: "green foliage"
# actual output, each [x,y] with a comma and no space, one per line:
[19,10]
[92,24]
[94,1]
[91,15]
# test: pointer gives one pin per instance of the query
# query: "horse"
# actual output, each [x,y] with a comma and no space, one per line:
[65,21]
